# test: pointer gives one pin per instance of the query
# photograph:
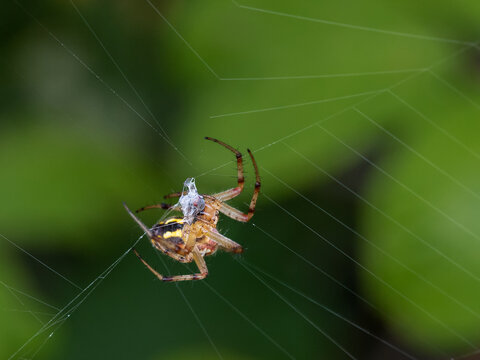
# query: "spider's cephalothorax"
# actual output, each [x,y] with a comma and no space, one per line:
[193,236]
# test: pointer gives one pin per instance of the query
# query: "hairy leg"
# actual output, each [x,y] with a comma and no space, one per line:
[225,243]
[197,257]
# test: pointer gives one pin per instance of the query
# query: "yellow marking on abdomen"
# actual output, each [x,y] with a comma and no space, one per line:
[178,221]
[176,233]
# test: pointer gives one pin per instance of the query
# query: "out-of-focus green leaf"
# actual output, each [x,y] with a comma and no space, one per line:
[202,354]
[59,184]
[439,204]
[21,315]
[241,43]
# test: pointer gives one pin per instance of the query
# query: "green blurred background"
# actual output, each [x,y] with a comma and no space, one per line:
[364,119]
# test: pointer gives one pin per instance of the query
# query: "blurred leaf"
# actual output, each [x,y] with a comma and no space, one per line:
[242,43]
[62,184]
[439,211]
[21,315]
[200,353]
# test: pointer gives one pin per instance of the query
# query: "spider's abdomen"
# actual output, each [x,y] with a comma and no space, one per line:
[171,235]
[170,230]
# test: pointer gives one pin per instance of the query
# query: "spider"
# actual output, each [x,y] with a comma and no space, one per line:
[193,236]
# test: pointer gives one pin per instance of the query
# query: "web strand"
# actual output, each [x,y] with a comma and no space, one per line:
[41,262]
[350,107]
[330,311]
[324,76]
[14,290]
[403,227]
[376,309]
[251,322]
[117,66]
[183,39]
[192,310]
[446,83]
[436,126]
[425,159]
[73,304]
[103,82]
[369,242]
[61,318]
[282,107]
[294,308]
[378,278]
[357,27]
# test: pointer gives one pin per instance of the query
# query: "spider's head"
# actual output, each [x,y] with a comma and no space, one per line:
[191,202]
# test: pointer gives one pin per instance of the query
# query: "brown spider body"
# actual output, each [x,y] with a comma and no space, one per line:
[192,237]
[205,223]
[172,232]
[167,236]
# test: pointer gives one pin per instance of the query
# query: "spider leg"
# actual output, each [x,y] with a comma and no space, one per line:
[138,221]
[159,206]
[231,193]
[234,213]
[155,241]
[197,257]
[157,244]
[189,237]
[226,243]
[147,265]
[230,211]
[202,266]
[174,195]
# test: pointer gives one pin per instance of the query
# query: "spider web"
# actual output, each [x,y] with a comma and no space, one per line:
[331,328]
